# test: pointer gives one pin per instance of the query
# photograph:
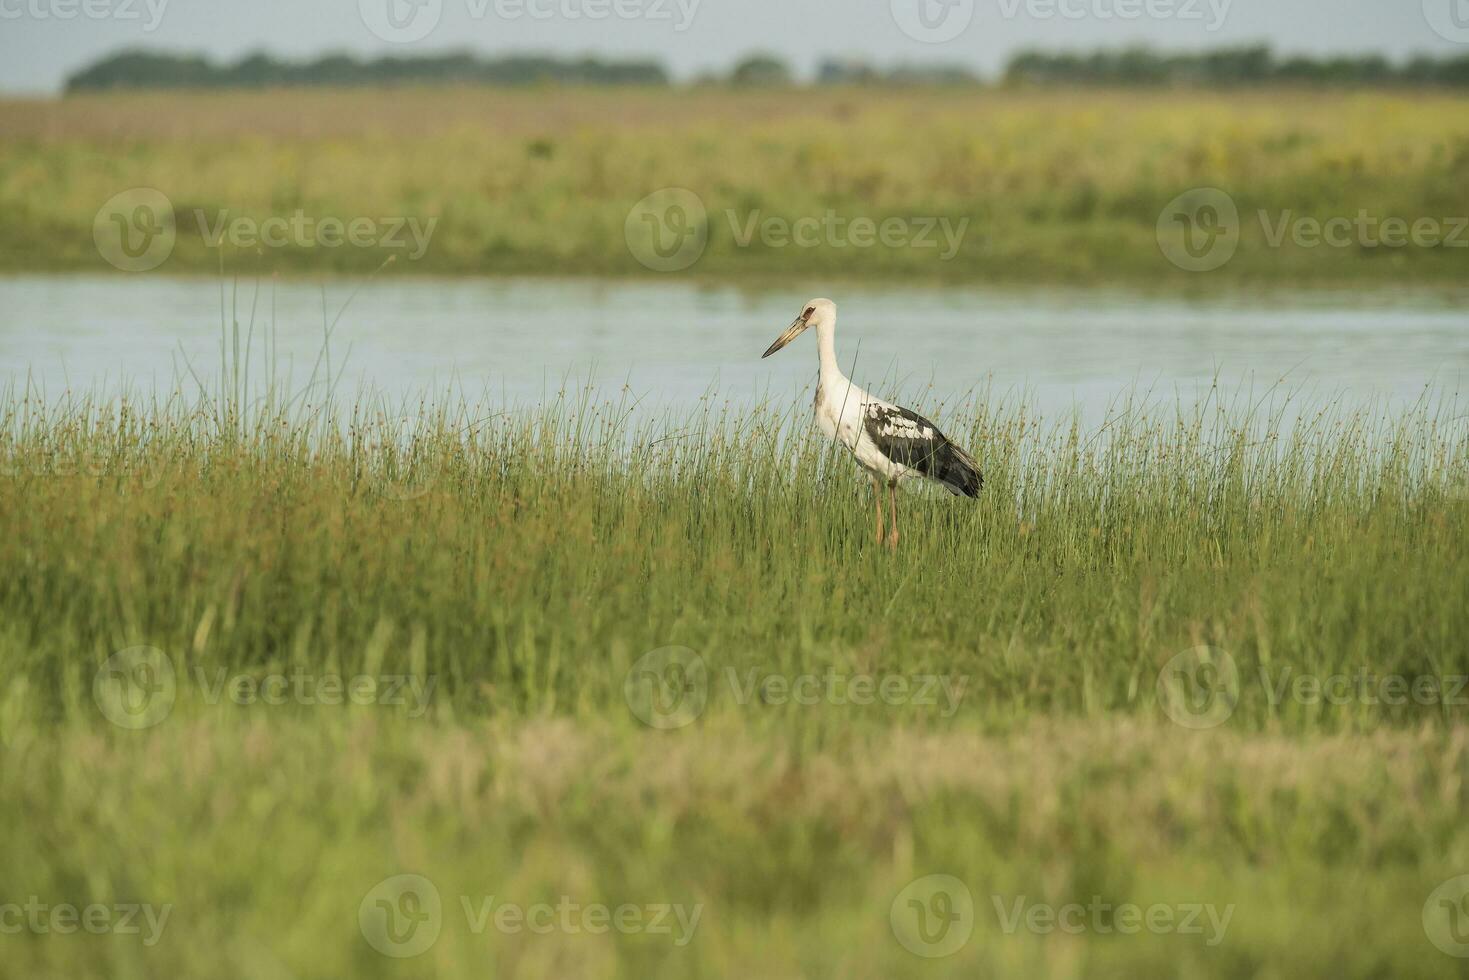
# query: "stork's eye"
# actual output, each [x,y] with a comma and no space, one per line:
[809,310]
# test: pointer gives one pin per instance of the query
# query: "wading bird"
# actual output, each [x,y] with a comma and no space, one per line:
[886,440]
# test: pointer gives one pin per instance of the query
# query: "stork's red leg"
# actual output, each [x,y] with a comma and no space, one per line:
[877,499]
[893,526]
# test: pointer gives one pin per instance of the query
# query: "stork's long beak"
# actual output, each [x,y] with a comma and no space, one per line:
[786,337]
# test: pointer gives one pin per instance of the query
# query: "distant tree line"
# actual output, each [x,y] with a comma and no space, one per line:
[142,69]
[1257,65]
[853,72]
[1139,66]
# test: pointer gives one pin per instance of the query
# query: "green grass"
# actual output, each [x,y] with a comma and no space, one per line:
[1045,185]
[520,566]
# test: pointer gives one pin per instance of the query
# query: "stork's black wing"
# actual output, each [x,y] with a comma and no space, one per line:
[910,439]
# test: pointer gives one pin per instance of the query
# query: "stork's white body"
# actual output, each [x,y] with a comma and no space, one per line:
[841,407]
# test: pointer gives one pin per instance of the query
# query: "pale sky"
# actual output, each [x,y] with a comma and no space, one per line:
[41,41]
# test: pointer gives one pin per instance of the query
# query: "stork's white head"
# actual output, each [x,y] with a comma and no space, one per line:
[816,313]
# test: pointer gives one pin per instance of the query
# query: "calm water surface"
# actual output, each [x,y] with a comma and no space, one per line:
[518,341]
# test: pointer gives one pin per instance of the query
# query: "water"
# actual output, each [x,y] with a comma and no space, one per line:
[518,342]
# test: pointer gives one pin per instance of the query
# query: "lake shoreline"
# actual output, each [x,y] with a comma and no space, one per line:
[1454,288]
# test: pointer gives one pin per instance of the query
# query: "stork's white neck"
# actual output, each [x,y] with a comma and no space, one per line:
[826,350]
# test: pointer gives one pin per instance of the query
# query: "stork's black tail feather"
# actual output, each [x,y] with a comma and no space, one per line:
[958,471]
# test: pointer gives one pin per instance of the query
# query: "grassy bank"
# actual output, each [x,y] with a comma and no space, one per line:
[586,636]
[974,184]
[265,834]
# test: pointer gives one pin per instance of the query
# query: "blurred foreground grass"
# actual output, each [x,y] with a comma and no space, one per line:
[511,586]
[983,184]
